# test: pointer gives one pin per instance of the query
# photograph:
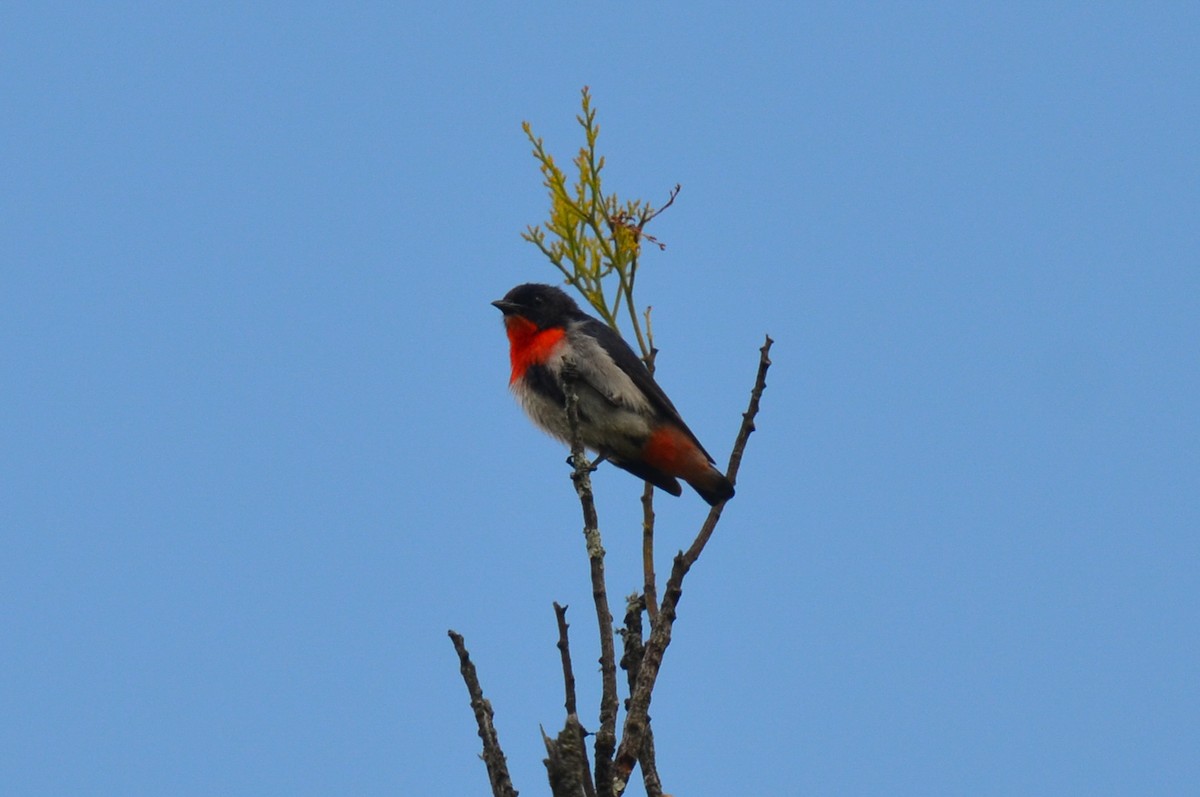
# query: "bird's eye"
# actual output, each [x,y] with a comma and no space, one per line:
[537,299]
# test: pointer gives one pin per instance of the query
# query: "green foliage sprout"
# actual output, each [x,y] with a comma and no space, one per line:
[594,238]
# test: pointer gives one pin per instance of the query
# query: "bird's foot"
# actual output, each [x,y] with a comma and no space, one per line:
[591,467]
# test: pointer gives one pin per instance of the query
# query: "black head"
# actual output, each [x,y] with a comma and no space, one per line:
[543,305]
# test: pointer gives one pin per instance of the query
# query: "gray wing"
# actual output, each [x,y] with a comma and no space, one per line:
[635,387]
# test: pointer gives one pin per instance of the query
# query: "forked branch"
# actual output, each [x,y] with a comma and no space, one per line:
[636,726]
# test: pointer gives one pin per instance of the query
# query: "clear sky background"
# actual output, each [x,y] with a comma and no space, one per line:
[258,454]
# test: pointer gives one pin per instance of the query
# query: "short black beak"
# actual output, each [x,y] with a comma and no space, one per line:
[508,308]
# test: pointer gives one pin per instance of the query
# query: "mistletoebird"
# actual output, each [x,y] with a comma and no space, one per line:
[623,414]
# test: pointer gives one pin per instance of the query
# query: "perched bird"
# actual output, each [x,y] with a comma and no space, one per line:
[623,414]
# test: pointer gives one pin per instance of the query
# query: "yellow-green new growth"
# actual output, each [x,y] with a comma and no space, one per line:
[592,237]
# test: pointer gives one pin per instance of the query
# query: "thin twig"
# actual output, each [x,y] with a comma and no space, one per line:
[564,648]
[637,725]
[735,457]
[493,756]
[649,582]
[606,735]
[670,201]
[649,587]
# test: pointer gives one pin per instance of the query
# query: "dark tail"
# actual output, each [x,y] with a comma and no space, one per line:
[712,486]
[658,478]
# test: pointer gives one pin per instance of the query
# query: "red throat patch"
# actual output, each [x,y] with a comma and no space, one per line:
[528,345]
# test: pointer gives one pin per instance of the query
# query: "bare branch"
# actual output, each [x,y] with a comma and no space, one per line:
[606,736]
[649,582]
[649,587]
[735,458]
[493,756]
[637,717]
[649,215]
[564,648]
[631,662]
[566,761]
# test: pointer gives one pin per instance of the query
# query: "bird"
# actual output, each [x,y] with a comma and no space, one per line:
[624,416]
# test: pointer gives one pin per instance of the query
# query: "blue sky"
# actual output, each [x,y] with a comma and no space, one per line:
[259,453]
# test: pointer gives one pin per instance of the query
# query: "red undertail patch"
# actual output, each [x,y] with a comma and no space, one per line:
[670,450]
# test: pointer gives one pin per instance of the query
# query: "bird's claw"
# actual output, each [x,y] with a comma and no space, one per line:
[591,468]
